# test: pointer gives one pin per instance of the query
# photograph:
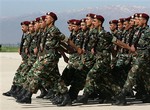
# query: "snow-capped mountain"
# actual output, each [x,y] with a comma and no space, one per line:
[10,30]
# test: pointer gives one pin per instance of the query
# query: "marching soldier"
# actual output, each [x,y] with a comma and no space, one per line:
[140,47]
[48,63]
[23,52]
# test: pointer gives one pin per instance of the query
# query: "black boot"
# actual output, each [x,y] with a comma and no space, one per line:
[66,100]
[58,99]
[83,99]
[43,92]
[13,87]
[50,95]
[73,93]
[121,98]
[146,99]
[22,94]
[26,99]
[17,91]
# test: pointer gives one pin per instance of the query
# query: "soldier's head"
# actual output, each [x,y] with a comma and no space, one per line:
[120,24]
[70,24]
[126,23]
[83,24]
[50,18]
[113,25]
[143,19]
[132,22]
[37,24]
[31,27]
[25,26]
[89,19]
[98,21]
[42,22]
[136,19]
[76,25]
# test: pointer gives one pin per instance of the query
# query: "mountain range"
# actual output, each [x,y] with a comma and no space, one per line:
[10,29]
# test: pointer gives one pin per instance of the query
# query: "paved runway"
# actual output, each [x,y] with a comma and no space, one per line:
[9,62]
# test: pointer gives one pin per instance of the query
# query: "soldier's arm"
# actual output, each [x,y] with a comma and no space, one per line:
[121,44]
[70,42]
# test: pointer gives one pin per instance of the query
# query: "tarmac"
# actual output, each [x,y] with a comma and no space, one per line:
[9,63]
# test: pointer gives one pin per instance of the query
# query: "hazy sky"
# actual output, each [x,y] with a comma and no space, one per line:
[10,8]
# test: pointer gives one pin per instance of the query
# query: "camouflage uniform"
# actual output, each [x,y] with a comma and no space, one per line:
[47,64]
[24,45]
[99,76]
[124,58]
[140,62]
[74,74]
[31,57]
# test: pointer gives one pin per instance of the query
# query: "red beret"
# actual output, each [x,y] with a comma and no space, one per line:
[53,15]
[99,17]
[37,19]
[25,23]
[43,18]
[132,17]
[83,19]
[32,22]
[127,19]
[136,14]
[70,21]
[113,22]
[121,20]
[76,22]
[90,15]
[144,15]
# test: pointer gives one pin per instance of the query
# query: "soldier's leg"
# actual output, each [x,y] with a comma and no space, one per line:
[16,79]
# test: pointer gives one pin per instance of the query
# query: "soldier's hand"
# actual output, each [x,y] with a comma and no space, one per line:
[92,51]
[26,51]
[83,50]
[35,50]
[132,49]
[79,50]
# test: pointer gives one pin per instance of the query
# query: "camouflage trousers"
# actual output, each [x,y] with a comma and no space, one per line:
[18,75]
[140,70]
[26,69]
[121,68]
[100,78]
[45,69]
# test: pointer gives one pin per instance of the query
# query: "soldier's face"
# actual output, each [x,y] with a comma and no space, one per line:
[37,26]
[120,26]
[31,28]
[136,20]
[42,24]
[142,22]
[113,27]
[89,21]
[96,23]
[126,25]
[70,27]
[83,26]
[49,19]
[24,28]
[76,28]
[131,22]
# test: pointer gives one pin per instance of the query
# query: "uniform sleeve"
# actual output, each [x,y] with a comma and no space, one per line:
[27,41]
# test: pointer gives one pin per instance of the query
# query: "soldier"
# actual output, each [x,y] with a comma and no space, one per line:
[113,26]
[22,51]
[32,56]
[140,47]
[99,77]
[47,64]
